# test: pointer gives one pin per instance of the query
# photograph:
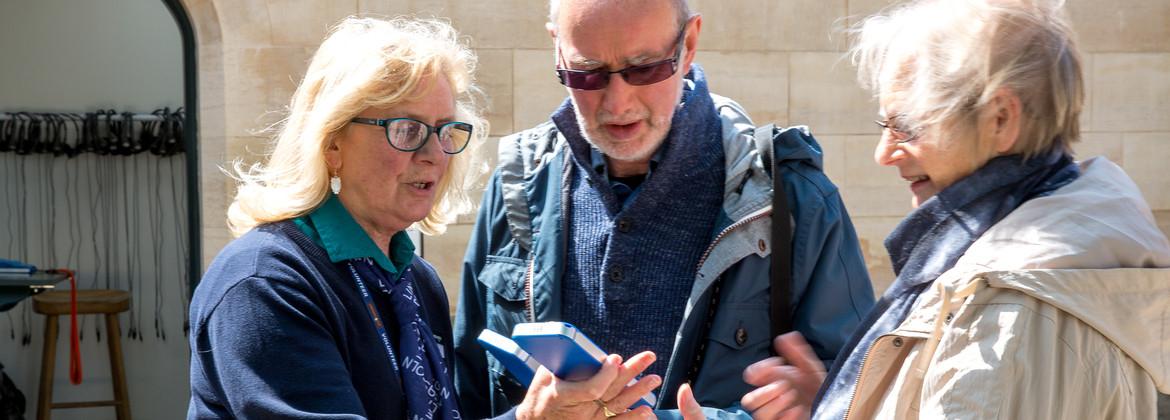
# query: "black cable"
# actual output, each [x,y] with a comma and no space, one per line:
[126,180]
[155,207]
[75,216]
[51,213]
[10,187]
[181,243]
[26,325]
[107,199]
[11,205]
[93,193]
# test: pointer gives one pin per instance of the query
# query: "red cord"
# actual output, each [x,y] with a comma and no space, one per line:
[74,337]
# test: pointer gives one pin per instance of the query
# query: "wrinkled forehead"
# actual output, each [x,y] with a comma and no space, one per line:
[895,80]
[590,29]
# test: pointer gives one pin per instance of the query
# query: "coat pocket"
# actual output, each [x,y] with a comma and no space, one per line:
[738,338]
[504,276]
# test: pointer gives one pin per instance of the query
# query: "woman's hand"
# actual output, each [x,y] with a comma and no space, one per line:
[787,384]
[603,395]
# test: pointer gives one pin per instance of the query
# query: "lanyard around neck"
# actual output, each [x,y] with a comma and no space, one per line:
[375,317]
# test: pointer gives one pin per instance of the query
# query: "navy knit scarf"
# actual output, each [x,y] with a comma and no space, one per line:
[930,241]
[630,268]
[418,357]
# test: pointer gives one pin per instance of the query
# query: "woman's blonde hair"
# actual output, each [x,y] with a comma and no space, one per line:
[363,63]
[948,58]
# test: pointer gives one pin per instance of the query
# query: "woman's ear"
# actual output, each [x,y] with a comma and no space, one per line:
[1003,118]
[332,155]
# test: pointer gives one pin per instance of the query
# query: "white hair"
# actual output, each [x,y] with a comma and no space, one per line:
[948,58]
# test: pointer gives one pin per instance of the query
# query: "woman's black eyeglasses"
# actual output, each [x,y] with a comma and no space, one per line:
[640,75]
[409,134]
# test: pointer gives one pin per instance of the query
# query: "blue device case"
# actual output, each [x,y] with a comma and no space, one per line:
[565,351]
[514,358]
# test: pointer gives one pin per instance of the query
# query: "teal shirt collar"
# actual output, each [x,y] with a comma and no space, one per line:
[333,228]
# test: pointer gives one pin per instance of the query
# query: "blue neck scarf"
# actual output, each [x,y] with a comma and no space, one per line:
[930,241]
[417,357]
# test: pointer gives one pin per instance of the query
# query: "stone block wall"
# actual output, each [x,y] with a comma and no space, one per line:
[783,60]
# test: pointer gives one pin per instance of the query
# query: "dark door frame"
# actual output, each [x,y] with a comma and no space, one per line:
[191,138]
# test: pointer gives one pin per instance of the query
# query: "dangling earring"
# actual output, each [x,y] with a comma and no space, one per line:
[335,184]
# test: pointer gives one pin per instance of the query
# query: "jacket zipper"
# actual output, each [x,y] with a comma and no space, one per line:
[750,218]
[766,211]
[528,300]
[857,381]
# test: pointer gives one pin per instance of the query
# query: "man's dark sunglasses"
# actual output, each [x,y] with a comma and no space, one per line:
[640,75]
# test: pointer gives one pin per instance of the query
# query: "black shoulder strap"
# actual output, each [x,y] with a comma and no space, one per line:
[781,287]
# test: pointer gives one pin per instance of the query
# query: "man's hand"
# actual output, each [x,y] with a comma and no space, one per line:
[786,384]
[688,406]
[603,395]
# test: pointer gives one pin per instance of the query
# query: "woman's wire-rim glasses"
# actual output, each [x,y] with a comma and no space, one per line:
[901,135]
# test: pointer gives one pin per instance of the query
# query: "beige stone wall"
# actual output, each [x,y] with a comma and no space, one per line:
[780,59]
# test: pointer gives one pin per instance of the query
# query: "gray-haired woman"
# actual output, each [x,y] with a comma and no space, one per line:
[1026,286]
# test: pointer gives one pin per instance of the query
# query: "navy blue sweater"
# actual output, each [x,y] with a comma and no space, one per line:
[631,265]
[278,331]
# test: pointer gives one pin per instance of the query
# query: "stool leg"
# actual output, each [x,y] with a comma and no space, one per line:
[116,369]
[48,360]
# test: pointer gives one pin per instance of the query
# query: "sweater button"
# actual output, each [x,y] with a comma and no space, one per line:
[615,275]
[763,246]
[741,336]
[897,341]
[624,225]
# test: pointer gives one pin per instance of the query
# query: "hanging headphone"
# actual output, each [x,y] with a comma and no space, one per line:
[23,134]
[74,148]
[7,132]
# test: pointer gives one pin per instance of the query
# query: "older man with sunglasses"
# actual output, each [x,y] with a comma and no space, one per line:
[641,214]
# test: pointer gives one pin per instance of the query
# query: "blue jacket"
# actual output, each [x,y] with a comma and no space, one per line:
[516,257]
[279,331]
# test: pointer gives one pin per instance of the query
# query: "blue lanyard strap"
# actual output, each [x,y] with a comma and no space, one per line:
[375,317]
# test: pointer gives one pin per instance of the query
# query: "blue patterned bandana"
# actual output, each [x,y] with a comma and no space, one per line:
[418,358]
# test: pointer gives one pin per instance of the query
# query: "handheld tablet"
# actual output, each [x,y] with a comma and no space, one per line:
[566,352]
[514,358]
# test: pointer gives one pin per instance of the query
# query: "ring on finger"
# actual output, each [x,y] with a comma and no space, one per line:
[605,409]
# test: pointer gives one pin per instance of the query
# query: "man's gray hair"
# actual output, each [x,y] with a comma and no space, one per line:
[946,59]
[681,8]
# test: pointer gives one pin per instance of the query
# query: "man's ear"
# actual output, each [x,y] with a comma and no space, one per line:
[1003,117]
[692,40]
[551,28]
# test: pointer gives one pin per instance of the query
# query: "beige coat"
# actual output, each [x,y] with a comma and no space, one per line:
[1036,321]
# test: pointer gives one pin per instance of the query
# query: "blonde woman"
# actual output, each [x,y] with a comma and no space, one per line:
[321,309]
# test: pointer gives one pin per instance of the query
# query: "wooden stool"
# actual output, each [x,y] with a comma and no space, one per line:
[56,303]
